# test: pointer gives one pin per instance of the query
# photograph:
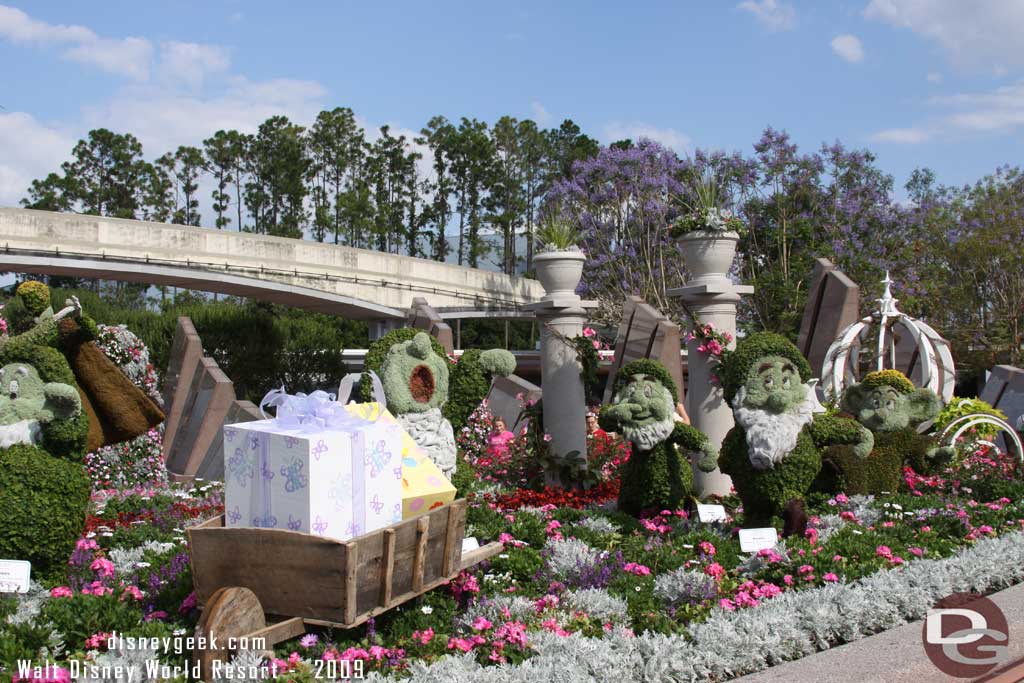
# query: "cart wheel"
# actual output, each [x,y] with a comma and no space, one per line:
[229,613]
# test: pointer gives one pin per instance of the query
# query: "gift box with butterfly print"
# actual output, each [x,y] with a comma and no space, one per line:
[424,486]
[340,482]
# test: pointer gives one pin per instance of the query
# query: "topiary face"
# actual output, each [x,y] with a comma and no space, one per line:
[886,408]
[773,384]
[415,378]
[25,396]
[642,402]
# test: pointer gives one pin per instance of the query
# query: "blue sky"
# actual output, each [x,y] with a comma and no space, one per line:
[932,83]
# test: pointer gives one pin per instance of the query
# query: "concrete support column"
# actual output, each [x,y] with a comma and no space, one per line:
[705,402]
[561,318]
[378,328]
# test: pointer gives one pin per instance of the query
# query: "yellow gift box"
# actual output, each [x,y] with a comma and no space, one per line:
[424,487]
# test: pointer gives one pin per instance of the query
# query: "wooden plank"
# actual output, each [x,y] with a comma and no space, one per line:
[279,632]
[419,559]
[351,567]
[456,512]
[293,574]
[388,567]
[477,556]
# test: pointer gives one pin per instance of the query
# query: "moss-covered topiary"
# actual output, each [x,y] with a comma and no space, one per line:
[62,438]
[765,492]
[378,350]
[749,351]
[34,295]
[43,501]
[882,471]
[655,480]
[468,385]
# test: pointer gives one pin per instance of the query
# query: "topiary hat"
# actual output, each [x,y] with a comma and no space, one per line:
[645,366]
[889,378]
[758,345]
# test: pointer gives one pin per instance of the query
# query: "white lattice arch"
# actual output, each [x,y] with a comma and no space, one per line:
[958,427]
[937,370]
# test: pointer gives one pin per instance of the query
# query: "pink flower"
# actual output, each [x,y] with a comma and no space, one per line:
[637,569]
[481,624]
[744,599]
[884,551]
[102,566]
[547,437]
[842,499]
[727,604]
[460,644]
[715,570]
[423,637]
[588,332]
[55,674]
[915,551]
[61,592]
[811,535]
[707,548]
[788,579]
[767,590]
[155,614]
[309,640]
[133,592]
[926,529]
[805,569]
[830,577]
[837,558]
[86,544]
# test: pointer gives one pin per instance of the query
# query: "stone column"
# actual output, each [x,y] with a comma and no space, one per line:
[711,301]
[562,315]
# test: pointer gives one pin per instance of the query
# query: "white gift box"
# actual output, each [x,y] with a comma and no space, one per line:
[334,482]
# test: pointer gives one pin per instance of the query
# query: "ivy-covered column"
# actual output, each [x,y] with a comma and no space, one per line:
[712,297]
[562,314]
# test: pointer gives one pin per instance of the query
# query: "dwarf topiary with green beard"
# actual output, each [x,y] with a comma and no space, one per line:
[887,403]
[657,475]
[774,452]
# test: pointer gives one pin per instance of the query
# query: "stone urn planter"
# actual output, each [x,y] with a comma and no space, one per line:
[559,271]
[708,254]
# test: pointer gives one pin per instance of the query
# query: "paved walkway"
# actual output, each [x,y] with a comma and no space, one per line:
[895,656]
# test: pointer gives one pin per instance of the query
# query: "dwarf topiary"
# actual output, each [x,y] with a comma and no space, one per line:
[773,454]
[887,403]
[427,392]
[657,476]
[415,382]
[44,489]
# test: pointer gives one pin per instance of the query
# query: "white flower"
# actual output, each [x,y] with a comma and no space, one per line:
[142,565]
[426,609]
[179,632]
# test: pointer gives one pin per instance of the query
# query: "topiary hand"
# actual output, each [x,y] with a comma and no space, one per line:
[866,444]
[941,454]
[709,459]
[498,362]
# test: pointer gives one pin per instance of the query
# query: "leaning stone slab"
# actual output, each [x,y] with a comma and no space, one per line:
[833,304]
[503,403]
[212,466]
[1005,390]
[645,332]
[186,352]
[213,394]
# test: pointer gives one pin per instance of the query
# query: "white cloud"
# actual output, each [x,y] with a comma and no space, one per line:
[540,114]
[127,56]
[997,111]
[668,137]
[773,14]
[30,150]
[901,136]
[972,33]
[190,64]
[934,77]
[848,47]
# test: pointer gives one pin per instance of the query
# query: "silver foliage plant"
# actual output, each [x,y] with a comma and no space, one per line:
[598,525]
[566,557]
[597,603]
[732,644]
[684,587]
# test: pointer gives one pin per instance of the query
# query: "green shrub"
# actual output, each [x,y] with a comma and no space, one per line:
[43,501]
[80,616]
[959,407]
[468,385]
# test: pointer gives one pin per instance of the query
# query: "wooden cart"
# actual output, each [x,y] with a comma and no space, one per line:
[242,575]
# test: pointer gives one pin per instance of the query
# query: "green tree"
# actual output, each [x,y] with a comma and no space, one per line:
[220,152]
[188,164]
[566,145]
[471,168]
[278,164]
[440,136]
[336,144]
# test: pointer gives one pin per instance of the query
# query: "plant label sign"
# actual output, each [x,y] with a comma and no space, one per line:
[14,575]
[753,540]
[711,513]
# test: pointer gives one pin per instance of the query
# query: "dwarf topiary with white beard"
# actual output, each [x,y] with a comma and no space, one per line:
[657,476]
[773,454]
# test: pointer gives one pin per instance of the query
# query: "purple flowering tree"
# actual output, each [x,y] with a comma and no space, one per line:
[623,200]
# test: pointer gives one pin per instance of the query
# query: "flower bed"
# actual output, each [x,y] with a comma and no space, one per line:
[580,593]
